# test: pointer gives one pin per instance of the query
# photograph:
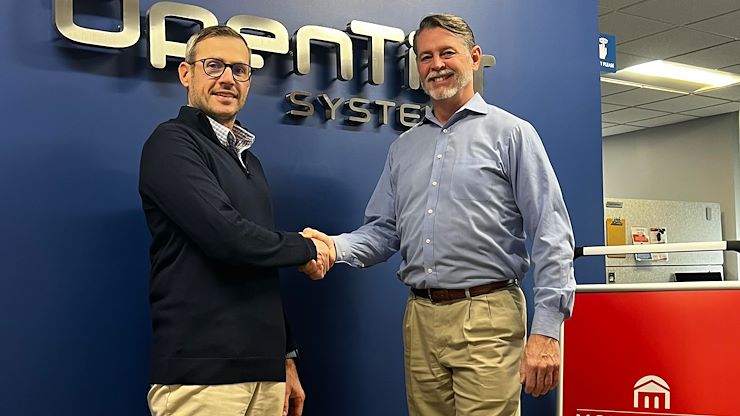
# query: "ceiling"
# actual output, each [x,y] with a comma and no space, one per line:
[703,33]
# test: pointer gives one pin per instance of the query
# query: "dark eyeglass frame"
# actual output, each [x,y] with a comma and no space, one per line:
[223,69]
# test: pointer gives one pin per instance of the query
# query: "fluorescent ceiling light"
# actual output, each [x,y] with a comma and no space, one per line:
[640,85]
[671,76]
[687,73]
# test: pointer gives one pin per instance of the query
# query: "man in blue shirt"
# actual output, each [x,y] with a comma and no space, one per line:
[458,195]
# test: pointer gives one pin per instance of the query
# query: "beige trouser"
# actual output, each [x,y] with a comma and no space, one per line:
[462,358]
[242,399]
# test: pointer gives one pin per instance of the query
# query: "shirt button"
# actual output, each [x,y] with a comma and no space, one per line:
[344,254]
[444,130]
[428,241]
[429,270]
[439,156]
[434,183]
[430,211]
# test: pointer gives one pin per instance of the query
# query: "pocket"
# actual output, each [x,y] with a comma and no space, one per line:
[519,309]
[499,317]
[158,399]
[473,179]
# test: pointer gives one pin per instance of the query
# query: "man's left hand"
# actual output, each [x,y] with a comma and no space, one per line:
[294,394]
[540,367]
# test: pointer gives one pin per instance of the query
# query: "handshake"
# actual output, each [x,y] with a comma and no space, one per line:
[326,254]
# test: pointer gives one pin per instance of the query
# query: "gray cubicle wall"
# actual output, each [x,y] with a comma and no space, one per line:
[682,221]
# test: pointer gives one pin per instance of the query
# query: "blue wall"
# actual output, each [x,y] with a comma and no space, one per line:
[74,311]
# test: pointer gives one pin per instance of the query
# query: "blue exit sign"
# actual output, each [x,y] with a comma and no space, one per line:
[607,53]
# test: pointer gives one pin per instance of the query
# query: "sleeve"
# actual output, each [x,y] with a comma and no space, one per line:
[547,224]
[290,344]
[378,238]
[174,178]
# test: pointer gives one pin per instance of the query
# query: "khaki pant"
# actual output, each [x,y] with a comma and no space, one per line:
[462,358]
[242,399]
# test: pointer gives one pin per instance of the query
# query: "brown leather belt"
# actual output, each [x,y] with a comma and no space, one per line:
[448,295]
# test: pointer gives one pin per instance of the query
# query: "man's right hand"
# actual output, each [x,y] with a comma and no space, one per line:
[316,269]
[326,254]
[318,235]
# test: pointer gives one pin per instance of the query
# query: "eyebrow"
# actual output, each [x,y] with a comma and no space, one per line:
[222,60]
[444,49]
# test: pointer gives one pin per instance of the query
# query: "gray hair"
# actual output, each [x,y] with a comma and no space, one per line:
[210,32]
[454,24]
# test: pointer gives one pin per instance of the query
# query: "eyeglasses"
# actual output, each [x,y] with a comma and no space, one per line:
[214,68]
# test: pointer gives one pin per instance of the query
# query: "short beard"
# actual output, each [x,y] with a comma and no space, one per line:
[461,81]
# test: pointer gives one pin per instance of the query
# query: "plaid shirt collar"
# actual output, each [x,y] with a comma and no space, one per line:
[243,138]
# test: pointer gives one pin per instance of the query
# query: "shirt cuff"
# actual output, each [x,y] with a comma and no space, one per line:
[292,354]
[547,323]
[342,246]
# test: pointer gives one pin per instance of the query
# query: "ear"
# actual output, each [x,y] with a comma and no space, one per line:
[476,54]
[185,73]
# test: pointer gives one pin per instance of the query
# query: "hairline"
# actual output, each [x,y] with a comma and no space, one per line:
[221,31]
[443,21]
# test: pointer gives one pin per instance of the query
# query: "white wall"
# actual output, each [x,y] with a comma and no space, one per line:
[697,160]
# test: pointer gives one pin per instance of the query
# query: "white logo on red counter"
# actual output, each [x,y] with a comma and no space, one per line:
[651,396]
[650,392]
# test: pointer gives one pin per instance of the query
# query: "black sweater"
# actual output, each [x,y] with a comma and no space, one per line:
[217,314]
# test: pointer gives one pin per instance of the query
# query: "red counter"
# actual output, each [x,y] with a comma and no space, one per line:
[660,349]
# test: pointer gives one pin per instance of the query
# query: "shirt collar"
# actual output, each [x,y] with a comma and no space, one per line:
[476,104]
[244,139]
[243,136]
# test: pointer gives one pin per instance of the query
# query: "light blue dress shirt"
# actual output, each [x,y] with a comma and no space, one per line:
[458,201]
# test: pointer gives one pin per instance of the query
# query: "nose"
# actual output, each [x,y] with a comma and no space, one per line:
[227,77]
[437,62]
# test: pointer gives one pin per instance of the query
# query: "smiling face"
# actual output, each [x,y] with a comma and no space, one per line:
[445,65]
[221,98]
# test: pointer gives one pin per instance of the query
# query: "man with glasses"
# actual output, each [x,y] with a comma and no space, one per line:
[459,194]
[220,343]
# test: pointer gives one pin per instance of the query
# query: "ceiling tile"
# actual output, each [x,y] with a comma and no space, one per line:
[716,109]
[608,88]
[719,56]
[728,93]
[682,12]
[616,4]
[673,42]
[726,24]
[638,96]
[630,114]
[625,60]
[626,27]
[683,104]
[623,128]
[661,121]
[735,68]
[605,108]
